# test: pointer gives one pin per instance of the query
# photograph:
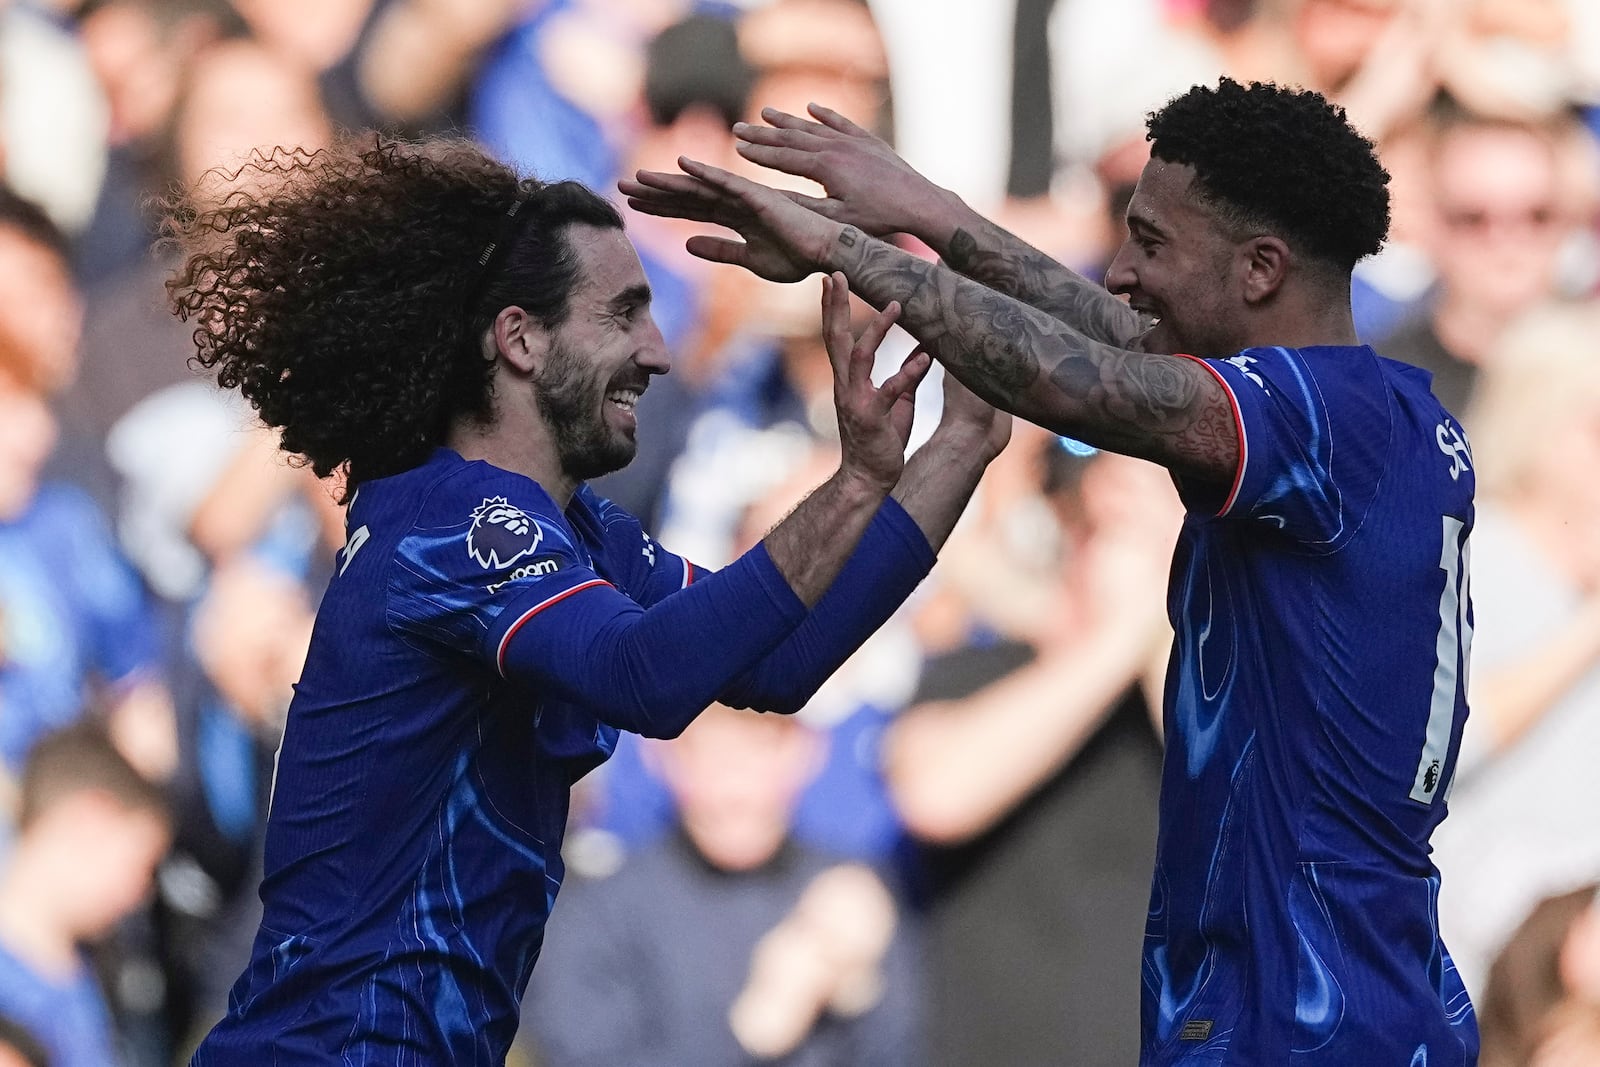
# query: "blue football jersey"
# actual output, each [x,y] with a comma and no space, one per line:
[1314,707]
[413,848]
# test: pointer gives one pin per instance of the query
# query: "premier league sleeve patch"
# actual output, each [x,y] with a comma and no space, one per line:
[501,534]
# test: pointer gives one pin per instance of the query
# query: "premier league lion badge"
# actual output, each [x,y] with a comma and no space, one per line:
[501,534]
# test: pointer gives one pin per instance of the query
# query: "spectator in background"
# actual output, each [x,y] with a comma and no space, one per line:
[1542,1008]
[248,637]
[1498,233]
[1029,770]
[18,1048]
[91,831]
[696,85]
[558,96]
[236,96]
[53,117]
[1521,820]
[793,956]
[414,61]
[72,613]
[141,51]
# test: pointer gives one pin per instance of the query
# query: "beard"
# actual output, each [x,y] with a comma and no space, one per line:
[573,404]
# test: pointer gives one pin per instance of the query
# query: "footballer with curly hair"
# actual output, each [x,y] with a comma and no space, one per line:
[464,349]
[1315,693]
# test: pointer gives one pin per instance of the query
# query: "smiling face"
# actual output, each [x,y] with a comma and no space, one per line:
[601,358]
[1179,266]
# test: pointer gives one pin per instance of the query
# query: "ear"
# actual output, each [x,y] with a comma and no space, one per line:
[1266,266]
[519,339]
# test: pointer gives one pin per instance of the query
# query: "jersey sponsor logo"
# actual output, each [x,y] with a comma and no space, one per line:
[1454,444]
[1196,1030]
[536,568]
[501,534]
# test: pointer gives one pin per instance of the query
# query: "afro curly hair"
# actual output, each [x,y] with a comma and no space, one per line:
[345,292]
[1282,159]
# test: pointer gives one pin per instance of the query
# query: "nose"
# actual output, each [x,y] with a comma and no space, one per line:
[1120,275]
[653,355]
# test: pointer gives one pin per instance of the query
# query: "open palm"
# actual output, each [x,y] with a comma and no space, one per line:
[780,240]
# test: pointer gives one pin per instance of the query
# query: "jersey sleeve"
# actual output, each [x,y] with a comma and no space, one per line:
[645,569]
[482,542]
[492,572]
[1312,442]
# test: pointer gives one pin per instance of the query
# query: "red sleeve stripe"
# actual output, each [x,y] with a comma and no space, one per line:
[1238,425]
[505,642]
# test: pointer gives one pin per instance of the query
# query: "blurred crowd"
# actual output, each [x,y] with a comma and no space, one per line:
[945,858]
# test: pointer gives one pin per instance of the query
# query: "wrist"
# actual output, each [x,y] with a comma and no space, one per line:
[961,445]
[861,486]
[846,247]
[937,218]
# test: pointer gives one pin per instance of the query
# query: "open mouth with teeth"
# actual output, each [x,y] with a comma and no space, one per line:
[625,399]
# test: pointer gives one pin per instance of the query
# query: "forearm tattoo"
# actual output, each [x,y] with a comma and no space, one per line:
[1008,264]
[1018,357]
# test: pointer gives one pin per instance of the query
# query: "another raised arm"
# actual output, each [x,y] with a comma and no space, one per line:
[873,189]
[1168,409]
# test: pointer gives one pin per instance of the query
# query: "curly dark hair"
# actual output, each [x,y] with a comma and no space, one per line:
[1282,159]
[345,292]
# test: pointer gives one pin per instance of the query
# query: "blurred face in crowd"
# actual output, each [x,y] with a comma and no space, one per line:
[108,855]
[241,97]
[27,434]
[41,314]
[251,632]
[1498,229]
[601,358]
[139,62]
[737,776]
[1177,264]
[1334,36]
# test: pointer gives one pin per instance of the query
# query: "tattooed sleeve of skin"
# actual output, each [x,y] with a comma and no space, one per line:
[1168,409]
[1004,262]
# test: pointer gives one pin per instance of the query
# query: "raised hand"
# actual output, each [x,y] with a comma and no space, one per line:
[782,241]
[874,421]
[868,185]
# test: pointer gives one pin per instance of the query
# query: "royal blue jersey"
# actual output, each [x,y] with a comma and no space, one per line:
[477,651]
[1314,708]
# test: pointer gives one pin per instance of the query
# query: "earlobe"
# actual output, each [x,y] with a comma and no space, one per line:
[1266,267]
[519,339]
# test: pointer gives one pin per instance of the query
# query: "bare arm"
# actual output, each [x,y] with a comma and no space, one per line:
[956,768]
[1167,409]
[1163,408]
[870,187]
[811,545]
[941,477]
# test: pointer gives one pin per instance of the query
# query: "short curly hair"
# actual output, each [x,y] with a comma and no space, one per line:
[345,292]
[1282,159]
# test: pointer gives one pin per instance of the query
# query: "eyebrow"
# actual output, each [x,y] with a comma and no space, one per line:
[632,296]
[1141,222]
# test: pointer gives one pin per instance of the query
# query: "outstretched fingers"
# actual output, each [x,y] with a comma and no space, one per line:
[718,250]
[802,162]
[830,119]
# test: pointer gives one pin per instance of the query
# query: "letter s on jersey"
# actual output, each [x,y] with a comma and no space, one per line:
[501,534]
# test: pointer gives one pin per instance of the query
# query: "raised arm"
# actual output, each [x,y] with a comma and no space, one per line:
[870,187]
[1168,409]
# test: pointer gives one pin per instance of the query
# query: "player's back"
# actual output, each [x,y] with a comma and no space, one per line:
[1314,709]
